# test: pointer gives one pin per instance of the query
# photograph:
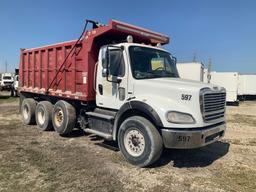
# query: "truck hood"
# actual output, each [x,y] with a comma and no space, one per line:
[175,83]
[167,94]
[170,88]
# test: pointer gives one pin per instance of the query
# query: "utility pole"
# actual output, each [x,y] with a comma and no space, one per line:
[6,66]
[209,70]
[194,57]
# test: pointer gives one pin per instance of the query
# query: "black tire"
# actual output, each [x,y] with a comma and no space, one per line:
[63,117]
[28,108]
[22,97]
[152,141]
[17,94]
[44,115]
[12,93]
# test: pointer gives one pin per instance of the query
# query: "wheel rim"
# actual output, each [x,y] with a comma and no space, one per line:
[134,142]
[25,112]
[41,116]
[58,116]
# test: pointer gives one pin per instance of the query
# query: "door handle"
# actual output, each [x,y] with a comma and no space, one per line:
[100,87]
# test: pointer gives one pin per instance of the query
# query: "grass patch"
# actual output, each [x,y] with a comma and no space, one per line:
[247,142]
[16,171]
[243,119]
[7,99]
[252,142]
[238,179]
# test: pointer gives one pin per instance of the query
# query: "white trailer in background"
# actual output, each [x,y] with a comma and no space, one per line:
[192,71]
[247,85]
[228,80]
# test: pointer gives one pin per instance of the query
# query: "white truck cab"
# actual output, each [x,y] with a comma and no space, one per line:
[6,81]
[188,114]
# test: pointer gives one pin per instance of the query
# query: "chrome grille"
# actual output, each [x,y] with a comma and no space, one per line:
[213,105]
[7,83]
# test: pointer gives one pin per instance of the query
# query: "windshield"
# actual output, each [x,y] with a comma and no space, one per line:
[149,63]
[7,78]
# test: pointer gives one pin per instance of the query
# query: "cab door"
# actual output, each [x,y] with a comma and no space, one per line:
[111,85]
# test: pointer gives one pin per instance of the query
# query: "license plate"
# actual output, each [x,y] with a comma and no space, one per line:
[184,139]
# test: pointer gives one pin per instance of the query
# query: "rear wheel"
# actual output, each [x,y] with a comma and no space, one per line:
[28,108]
[12,92]
[63,117]
[139,141]
[16,93]
[44,115]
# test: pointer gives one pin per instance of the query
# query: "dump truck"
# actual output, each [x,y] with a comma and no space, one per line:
[117,81]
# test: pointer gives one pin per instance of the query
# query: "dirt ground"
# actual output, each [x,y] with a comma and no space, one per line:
[32,160]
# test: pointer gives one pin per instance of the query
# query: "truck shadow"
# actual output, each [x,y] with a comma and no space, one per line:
[188,158]
[181,158]
[4,97]
[184,158]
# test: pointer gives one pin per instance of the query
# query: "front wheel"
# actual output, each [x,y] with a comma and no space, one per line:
[139,141]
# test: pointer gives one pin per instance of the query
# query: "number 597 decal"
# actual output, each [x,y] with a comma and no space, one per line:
[186,97]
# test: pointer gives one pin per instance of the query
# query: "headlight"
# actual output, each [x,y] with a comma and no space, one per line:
[178,117]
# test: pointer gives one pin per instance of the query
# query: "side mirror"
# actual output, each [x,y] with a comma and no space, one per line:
[105,60]
[105,72]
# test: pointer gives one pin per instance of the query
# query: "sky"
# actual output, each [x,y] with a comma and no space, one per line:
[223,30]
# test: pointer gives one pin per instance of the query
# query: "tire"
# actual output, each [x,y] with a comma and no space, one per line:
[17,94]
[63,117]
[44,115]
[12,93]
[28,108]
[21,99]
[139,141]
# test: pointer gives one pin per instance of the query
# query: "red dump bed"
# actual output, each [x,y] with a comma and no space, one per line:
[42,70]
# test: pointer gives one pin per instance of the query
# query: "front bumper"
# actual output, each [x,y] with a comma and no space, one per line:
[6,86]
[192,137]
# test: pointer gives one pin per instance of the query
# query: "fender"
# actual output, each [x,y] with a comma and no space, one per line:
[140,106]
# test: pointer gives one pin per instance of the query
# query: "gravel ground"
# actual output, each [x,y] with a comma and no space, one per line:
[32,160]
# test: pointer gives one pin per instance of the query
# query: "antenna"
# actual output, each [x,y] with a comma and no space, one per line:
[209,70]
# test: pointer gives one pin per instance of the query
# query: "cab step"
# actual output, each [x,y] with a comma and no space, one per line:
[100,115]
[99,133]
